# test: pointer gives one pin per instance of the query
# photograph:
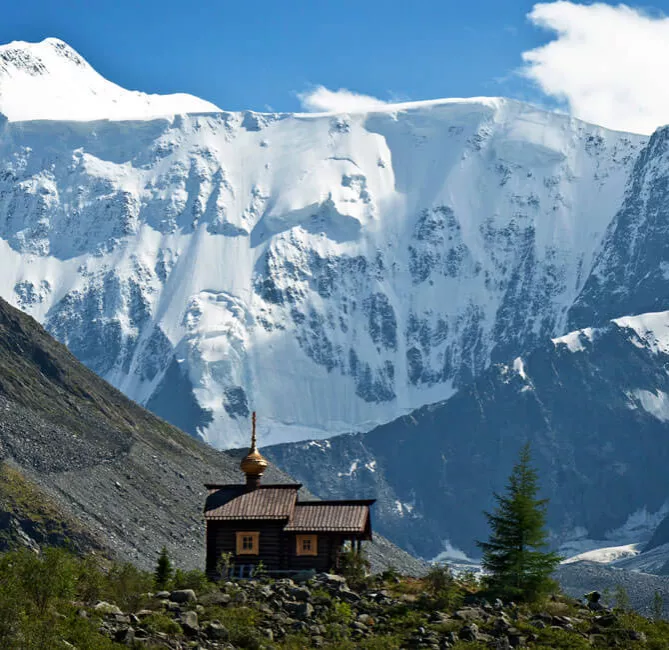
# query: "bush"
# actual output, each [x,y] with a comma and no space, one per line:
[354,566]
[241,624]
[195,580]
[36,591]
[442,587]
[340,612]
[160,623]
[126,586]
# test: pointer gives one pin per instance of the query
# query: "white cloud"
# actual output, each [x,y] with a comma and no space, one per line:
[323,100]
[609,64]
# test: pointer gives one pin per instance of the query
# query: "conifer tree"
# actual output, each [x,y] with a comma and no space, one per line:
[515,557]
[163,574]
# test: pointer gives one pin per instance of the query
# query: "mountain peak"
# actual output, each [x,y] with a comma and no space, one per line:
[50,80]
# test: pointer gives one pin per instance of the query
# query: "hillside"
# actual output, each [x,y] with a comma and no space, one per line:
[85,467]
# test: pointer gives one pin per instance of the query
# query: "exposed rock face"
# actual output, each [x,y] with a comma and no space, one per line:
[595,406]
[630,273]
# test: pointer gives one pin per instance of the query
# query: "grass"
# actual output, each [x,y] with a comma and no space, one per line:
[47,521]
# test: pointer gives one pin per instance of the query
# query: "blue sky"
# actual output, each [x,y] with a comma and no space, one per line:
[599,61]
[257,54]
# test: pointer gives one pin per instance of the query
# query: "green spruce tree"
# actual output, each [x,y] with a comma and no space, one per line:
[515,557]
[162,576]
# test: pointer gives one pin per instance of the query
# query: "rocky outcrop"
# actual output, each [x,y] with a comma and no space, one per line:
[593,404]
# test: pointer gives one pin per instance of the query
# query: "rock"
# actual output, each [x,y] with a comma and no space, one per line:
[301,594]
[332,579]
[162,595]
[107,608]
[215,598]
[183,596]
[240,598]
[366,620]
[125,636]
[216,631]
[637,636]
[304,610]
[349,596]
[502,643]
[189,623]
[470,614]
[469,632]
[441,618]
[606,620]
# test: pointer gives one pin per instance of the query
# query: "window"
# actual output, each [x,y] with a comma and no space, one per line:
[247,543]
[307,545]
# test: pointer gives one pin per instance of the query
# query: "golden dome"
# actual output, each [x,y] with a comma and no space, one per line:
[253,464]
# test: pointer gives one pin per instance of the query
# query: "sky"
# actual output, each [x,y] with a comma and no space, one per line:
[605,63]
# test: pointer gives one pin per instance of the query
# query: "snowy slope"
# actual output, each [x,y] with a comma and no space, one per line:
[50,81]
[331,271]
[593,404]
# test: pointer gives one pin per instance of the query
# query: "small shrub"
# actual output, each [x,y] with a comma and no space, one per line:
[127,585]
[259,570]
[157,622]
[225,565]
[354,566]
[340,612]
[241,623]
[621,598]
[442,587]
[658,606]
[90,580]
[195,580]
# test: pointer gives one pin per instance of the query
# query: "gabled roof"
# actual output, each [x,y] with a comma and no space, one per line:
[238,502]
[334,516]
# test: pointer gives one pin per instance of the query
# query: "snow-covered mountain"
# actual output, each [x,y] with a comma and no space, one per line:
[331,271]
[50,81]
[594,404]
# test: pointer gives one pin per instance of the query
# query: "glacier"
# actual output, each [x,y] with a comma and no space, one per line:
[331,271]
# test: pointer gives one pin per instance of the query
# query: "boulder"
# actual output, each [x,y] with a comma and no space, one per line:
[216,631]
[104,607]
[183,596]
[126,636]
[470,614]
[301,594]
[215,598]
[469,632]
[189,623]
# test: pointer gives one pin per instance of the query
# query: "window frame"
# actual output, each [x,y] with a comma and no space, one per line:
[299,545]
[255,542]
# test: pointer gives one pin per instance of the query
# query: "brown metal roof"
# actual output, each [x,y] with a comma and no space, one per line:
[342,517]
[265,502]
